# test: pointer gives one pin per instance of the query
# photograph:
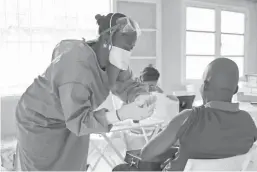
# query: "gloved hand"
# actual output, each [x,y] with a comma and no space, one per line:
[145,100]
[134,112]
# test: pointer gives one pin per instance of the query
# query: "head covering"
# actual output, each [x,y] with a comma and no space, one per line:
[150,74]
[117,21]
[105,22]
[222,74]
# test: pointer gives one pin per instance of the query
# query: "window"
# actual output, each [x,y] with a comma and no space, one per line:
[30,29]
[212,33]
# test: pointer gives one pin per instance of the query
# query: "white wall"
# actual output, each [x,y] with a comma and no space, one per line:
[172,31]
[255,37]
[7,107]
[171,44]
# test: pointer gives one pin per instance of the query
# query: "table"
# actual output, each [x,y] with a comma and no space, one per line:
[127,126]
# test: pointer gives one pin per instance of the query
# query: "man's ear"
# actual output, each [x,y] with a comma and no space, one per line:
[236,90]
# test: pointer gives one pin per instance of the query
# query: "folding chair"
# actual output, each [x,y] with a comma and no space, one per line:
[94,138]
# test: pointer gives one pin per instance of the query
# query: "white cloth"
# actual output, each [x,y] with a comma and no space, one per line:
[165,109]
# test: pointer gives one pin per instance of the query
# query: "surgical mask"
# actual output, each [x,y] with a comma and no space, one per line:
[119,57]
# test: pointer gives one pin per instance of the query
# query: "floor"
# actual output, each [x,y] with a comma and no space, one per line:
[134,142]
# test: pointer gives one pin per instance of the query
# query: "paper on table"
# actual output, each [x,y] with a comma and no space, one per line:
[165,109]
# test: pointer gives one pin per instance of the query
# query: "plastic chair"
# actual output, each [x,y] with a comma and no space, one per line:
[236,163]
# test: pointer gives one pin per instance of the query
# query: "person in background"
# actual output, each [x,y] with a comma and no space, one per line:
[217,129]
[150,76]
[59,110]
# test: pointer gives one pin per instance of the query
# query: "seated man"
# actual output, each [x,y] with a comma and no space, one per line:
[218,129]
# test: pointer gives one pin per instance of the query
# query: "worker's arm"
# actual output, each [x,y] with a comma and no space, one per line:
[128,88]
[78,112]
[165,139]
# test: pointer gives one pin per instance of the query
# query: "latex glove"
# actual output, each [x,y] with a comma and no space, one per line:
[145,100]
[134,112]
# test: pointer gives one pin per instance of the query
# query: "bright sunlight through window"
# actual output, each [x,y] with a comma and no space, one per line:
[208,37]
[30,29]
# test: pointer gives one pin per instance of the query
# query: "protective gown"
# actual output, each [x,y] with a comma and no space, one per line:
[55,116]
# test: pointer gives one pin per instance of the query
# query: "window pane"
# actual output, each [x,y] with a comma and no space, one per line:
[200,43]
[36,13]
[36,6]
[11,6]
[24,6]
[232,45]
[200,19]
[11,20]
[60,7]
[60,22]
[13,51]
[195,66]
[36,37]
[24,20]
[25,36]
[232,22]
[45,23]
[2,6]
[240,63]
[144,14]
[13,36]
[71,22]
[25,50]
[48,9]
[72,9]
[2,20]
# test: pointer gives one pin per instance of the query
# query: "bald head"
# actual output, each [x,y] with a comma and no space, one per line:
[221,77]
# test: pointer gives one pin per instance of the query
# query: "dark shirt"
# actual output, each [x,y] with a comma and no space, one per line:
[214,131]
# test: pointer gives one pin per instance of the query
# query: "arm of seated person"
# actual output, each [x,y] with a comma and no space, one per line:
[165,139]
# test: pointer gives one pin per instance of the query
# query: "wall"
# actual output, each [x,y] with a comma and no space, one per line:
[8,107]
[256,37]
[172,42]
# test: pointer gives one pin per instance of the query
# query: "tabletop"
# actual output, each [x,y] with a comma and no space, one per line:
[128,125]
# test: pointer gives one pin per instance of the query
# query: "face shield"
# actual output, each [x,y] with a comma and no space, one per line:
[119,57]
[127,25]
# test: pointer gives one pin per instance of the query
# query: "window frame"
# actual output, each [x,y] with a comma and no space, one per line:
[217,54]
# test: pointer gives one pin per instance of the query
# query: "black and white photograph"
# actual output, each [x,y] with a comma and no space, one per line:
[128,85]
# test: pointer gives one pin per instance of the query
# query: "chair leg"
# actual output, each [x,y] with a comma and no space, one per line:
[101,156]
[113,147]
